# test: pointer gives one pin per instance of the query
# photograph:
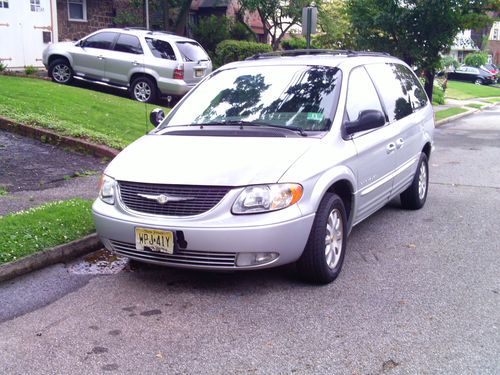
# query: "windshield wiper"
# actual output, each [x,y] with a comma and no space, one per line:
[242,123]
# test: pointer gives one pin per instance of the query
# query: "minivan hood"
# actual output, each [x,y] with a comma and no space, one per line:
[207,160]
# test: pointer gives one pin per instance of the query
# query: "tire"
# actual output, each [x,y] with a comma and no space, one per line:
[60,71]
[324,253]
[143,89]
[415,196]
[478,81]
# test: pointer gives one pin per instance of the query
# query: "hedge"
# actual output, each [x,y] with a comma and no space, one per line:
[235,50]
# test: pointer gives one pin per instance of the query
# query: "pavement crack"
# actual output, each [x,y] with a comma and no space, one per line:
[466,185]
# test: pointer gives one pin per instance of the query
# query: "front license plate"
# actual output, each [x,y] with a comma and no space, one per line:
[157,240]
[198,73]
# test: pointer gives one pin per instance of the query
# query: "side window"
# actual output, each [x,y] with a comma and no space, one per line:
[129,44]
[361,95]
[160,48]
[395,86]
[418,98]
[101,40]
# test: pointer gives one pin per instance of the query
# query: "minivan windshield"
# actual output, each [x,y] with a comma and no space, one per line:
[300,97]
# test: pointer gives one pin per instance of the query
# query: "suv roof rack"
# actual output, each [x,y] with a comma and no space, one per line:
[161,32]
[300,52]
[135,28]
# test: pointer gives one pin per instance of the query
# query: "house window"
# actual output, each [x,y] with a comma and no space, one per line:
[35,6]
[4,4]
[77,10]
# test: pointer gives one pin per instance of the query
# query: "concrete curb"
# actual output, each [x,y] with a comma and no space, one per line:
[50,256]
[470,111]
[52,137]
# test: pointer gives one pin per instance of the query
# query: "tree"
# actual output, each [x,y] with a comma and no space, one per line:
[417,31]
[277,16]
[476,59]
[335,24]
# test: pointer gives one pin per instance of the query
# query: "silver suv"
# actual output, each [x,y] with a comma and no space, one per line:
[144,62]
[271,161]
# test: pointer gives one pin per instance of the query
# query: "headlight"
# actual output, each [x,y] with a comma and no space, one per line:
[107,186]
[265,198]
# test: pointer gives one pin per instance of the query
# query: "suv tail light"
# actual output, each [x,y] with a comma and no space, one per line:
[179,72]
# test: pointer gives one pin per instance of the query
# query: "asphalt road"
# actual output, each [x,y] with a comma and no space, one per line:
[33,173]
[419,294]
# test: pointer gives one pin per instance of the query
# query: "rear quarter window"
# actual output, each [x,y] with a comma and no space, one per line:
[161,49]
[400,90]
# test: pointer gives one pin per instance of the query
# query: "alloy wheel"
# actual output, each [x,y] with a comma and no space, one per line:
[333,239]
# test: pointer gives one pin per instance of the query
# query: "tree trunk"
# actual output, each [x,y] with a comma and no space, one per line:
[429,82]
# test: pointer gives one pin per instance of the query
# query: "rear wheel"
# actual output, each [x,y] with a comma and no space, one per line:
[323,256]
[60,71]
[478,81]
[415,196]
[143,89]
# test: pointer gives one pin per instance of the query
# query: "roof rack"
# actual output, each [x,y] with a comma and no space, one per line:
[300,52]
[135,28]
[161,32]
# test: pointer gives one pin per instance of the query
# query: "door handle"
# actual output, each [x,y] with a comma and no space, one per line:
[391,147]
[100,57]
[135,63]
[400,143]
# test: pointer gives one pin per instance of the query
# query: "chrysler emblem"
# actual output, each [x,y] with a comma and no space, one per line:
[163,198]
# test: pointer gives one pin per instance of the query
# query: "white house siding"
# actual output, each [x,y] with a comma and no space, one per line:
[22,27]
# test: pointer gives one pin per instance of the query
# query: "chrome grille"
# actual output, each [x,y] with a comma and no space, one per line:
[205,197]
[180,257]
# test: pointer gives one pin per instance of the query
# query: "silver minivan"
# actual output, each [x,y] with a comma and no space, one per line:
[147,63]
[271,161]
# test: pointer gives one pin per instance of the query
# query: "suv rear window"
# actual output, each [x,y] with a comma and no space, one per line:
[192,51]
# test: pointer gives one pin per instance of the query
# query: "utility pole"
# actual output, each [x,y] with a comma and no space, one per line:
[146,7]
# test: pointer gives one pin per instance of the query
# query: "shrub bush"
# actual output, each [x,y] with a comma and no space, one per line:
[30,69]
[234,50]
[210,31]
[3,67]
[295,42]
[241,32]
[476,59]
[437,95]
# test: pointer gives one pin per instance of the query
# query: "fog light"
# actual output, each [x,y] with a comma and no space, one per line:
[254,259]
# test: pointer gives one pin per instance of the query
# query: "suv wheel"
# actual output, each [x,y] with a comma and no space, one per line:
[143,89]
[60,71]
[323,256]
[414,197]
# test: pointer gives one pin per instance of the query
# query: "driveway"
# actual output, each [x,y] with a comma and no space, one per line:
[419,293]
[33,173]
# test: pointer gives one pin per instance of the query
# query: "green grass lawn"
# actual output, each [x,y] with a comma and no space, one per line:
[440,115]
[73,111]
[463,90]
[492,100]
[39,228]
[475,105]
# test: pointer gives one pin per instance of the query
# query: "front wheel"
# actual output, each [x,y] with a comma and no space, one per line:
[415,196]
[324,253]
[60,71]
[143,89]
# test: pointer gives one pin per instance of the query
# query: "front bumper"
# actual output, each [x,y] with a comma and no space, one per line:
[213,240]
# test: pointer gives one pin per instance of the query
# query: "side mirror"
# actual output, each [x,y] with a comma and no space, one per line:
[156,116]
[368,119]
[80,43]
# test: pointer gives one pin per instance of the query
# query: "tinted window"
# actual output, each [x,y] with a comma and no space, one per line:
[101,40]
[400,90]
[129,44]
[284,96]
[191,51]
[361,95]
[161,49]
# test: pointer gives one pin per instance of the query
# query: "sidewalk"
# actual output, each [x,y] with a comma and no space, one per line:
[470,105]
